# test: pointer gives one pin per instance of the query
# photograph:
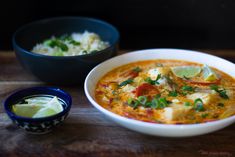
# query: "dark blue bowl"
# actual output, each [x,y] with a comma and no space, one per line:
[38,125]
[62,70]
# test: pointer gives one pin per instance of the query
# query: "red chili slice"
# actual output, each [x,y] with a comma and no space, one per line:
[203,83]
[133,74]
[146,89]
[130,74]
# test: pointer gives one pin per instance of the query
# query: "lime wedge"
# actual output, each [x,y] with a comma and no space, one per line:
[55,105]
[51,108]
[38,107]
[44,112]
[38,100]
[186,71]
[209,74]
[26,110]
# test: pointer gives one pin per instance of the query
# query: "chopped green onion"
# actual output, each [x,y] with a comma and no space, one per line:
[137,69]
[128,81]
[159,103]
[222,92]
[188,88]
[198,105]
[184,93]
[142,99]
[57,43]
[69,38]
[156,103]
[187,104]
[85,52]
[129,101]
[74,42]
[173,93]
[157,96]
[204,115]
[148,104]
[133,103]
[153,82]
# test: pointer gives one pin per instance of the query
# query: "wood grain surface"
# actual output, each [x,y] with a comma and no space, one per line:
[89,133]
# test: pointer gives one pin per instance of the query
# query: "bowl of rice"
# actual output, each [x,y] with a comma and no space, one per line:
[63,50]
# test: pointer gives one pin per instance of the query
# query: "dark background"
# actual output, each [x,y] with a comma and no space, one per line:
[142,23]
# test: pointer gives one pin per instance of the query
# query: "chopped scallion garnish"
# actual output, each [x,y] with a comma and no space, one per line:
[128,81]
[198,105]
[222,92]
[153,82]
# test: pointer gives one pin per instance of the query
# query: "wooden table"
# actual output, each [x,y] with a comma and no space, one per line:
[87,132]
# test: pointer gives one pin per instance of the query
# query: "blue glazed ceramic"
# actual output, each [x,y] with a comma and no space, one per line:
[62,70]
[38,125]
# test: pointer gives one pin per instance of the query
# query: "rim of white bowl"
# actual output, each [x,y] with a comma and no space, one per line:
[149,124]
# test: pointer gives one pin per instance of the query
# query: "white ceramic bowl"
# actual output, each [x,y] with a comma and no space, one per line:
[168,130]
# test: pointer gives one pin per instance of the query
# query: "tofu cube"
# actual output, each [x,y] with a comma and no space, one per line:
[128,88]
[207,98]
[153,73]
[175,112]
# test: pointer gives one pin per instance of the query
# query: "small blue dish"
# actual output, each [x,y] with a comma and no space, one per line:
[66,70]
[38,125]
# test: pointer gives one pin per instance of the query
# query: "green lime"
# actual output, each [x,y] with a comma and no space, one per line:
[186,71]
[38,107]
[51,108]
[44,112]
[38,100]
[26,110]
[209,74]
[55,105]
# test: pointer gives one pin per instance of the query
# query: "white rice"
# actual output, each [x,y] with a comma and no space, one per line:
[89,43]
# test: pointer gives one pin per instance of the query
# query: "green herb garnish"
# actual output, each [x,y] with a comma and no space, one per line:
[187,104]
[69,38]
[222,92]
[173,93]
[204,115]
[153,82]
[188,88]
[85,52]
[156,103]
[159,103]
[114,92]
[57,43]
[74,42]
[128,81]
[133,103]
[157,96]
[142,99]
[198,105]
[137,69]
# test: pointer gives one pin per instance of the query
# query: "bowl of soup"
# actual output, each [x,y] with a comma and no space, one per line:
[165,92]
[63,50]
